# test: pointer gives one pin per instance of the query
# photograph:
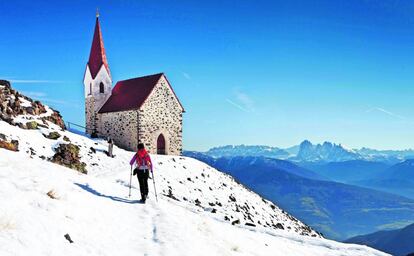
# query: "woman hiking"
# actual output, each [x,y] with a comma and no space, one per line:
[144,165]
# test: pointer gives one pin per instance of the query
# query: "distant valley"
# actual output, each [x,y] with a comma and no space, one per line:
[337,210]
[386,170]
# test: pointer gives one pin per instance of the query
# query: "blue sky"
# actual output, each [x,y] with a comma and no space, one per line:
[247,72]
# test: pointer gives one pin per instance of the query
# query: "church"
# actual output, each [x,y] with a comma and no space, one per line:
[137,110]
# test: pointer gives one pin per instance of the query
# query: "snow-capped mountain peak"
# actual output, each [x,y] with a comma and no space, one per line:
[329,152]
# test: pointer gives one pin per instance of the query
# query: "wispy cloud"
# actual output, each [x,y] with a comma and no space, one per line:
[33,94]
[389,113]
[242,101]
[48,100]
[34,81]
[237,105]
[186,75]
[245,100]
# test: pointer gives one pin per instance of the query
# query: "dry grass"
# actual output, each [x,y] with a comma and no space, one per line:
[6,223]
[52,194]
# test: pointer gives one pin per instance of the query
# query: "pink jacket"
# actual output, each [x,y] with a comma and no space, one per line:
[141,158]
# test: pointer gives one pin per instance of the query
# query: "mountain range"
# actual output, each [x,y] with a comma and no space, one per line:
[308,152]
[385,170]
[337,210]
[398,242]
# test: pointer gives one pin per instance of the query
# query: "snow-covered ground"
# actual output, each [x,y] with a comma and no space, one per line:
[193,216]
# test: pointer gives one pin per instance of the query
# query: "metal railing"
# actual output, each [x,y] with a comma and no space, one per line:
[71,125]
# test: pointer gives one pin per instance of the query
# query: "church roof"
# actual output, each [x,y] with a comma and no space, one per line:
[97,57]
[131,94]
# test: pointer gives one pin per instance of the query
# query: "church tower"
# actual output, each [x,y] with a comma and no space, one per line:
[97,81]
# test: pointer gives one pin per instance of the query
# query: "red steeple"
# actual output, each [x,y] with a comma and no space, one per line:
[97,57]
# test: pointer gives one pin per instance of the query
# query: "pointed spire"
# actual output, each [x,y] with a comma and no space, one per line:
[97,57]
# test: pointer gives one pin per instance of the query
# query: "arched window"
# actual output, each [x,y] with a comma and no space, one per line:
[90,88]
[101,88]
[161,145]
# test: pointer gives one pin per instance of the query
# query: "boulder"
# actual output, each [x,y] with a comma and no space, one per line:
[32,125]
[53,135]
[68,155]
[12,146]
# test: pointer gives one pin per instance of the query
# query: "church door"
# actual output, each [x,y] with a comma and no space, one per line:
[161,145]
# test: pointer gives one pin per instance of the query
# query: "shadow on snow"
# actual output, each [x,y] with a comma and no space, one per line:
[114,198]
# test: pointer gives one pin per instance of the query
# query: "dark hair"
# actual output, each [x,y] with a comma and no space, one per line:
[140,146]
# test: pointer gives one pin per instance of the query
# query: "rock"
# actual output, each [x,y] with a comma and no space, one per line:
[52,194]
[5,83]
[250,224]
[21,125]
[66,139]
[235,222]
[32,125]
[2,136]
[56,118]
[93,150]
[67,236]
[197,202]
[53,135]
[68,155]
[12,146]
[30,111]
[279,226]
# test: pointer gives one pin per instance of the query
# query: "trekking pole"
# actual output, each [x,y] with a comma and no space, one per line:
[130,179]
[153,181]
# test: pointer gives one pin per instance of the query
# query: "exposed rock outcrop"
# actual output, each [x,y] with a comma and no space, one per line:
[14,104]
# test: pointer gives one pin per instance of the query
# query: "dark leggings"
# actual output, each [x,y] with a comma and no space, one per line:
[143,182]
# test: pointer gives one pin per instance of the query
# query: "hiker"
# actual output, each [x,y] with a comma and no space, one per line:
[143,166]
[110,147]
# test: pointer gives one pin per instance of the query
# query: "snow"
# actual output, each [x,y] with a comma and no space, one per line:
[24,103]
[96,212]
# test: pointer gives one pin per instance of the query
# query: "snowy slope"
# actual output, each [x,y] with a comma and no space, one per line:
[194,215]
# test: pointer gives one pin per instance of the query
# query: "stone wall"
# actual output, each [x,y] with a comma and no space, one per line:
[121,127]
[90,114]
[161,114]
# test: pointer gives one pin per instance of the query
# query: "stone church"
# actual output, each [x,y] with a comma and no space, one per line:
[143,109]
